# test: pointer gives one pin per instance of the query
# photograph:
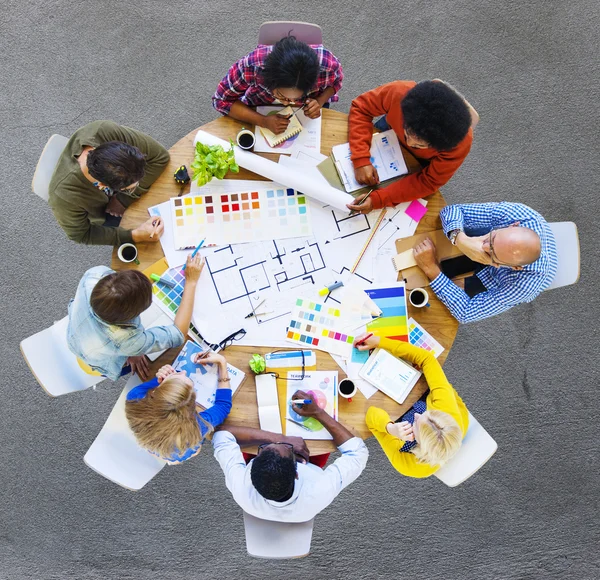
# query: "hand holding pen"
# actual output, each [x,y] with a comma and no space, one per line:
[304,408]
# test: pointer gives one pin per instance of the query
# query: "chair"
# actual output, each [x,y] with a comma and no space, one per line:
[47,164]
[53,365]
[477,447]
[271,32]
[277,540]
[567,247]
[116,455]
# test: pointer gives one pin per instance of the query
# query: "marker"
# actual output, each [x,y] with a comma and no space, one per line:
[302,401]
[328,289]
[299,424]
[361,202]
[365,339]
[157,278]
[195,251]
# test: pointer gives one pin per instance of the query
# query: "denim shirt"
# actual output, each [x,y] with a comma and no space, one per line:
[106,347]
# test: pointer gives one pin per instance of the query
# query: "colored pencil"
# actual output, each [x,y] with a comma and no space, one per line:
[195,251]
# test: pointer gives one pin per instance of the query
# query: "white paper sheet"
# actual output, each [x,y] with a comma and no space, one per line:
[294,179]
[268,403]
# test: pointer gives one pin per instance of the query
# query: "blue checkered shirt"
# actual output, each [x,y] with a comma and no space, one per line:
[505,287]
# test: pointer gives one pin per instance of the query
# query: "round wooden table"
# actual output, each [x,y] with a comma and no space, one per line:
[437,319]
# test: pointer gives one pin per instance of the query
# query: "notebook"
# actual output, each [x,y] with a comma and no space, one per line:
[293,128]
[390,375]
[386,157]
[205,377]
[268,403]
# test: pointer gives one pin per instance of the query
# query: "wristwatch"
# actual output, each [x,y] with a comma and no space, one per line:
[453,235]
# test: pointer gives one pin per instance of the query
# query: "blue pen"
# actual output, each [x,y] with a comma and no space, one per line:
[195,251]
[302,401]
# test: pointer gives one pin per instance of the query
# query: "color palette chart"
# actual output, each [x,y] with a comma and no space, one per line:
[170,298]
[393,322]
[234,218]
[318,325]
[418,336]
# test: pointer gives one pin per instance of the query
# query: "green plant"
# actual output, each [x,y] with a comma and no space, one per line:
[212,161]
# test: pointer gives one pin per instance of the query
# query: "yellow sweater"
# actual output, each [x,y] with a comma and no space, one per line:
[442,397]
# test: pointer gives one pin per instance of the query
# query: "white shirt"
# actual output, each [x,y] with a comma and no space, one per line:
[314,489]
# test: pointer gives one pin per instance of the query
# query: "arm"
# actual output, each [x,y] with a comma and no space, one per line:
[193,269]
[141,391]
[339,433]
[219,411]
[404,462]
[426,181]
[76,224]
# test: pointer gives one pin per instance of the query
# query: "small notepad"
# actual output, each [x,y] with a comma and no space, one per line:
[268,403]
[293,128]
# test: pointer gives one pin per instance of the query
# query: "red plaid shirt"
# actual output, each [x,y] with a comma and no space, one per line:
[244,81]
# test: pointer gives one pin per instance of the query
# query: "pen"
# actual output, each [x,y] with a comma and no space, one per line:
[362,201]
[365,339]
[195,251]
[299,424]
[302,401]
[296,111]
[252,314]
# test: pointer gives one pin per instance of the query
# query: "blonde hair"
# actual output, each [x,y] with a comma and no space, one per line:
[165,420]
[440,437]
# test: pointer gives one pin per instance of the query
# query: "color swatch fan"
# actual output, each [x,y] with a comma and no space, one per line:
[393,322]
[320,326]
[234,218]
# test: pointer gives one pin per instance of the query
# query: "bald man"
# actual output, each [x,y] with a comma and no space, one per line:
[513,251]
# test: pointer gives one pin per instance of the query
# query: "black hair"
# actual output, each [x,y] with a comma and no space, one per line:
[436,114]
[273,475]
[291,63]
[116,164]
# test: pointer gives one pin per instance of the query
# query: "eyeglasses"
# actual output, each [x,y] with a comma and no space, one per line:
[238,335]
[277,94]
[302,375]
[263,445]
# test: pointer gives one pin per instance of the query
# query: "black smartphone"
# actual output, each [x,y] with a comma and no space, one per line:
[453,267]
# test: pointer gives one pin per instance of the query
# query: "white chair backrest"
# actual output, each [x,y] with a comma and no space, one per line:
[47,164]
[277,540]
[271,32]
[116,454]
[477,447]
[569,259]
[53,365]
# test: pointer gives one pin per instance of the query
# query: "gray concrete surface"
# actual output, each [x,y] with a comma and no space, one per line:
[530,376]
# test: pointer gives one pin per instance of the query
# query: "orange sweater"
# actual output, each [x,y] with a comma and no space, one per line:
[385,100]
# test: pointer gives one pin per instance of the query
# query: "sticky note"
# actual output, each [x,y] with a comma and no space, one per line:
[416,210]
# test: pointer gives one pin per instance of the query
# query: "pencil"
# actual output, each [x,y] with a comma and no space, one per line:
[195,251]
[362,201]
[155,223]
[296,112]
[299,424]
[369,240]
[365,339]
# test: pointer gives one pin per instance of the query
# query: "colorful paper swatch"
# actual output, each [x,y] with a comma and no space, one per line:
[416,210]
[418,336]
[393,322]
[170,298]
[233,218]
[318,325]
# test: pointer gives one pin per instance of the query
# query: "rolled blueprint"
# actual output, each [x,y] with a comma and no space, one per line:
[289,177]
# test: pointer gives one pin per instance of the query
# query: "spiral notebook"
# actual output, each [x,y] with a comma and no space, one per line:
[293,128]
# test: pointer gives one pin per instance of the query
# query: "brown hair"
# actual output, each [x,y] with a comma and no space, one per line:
[121,296]
[165,420]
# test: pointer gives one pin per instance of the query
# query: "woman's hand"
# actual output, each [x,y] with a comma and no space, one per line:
[209,357]
[363,343]
[276,123]
[312,109]
[164,372]
[193,268]
[402,430]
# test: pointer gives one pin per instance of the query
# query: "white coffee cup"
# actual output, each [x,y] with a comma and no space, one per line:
[245,139]
[128,253]
[347,389]
[419,298]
